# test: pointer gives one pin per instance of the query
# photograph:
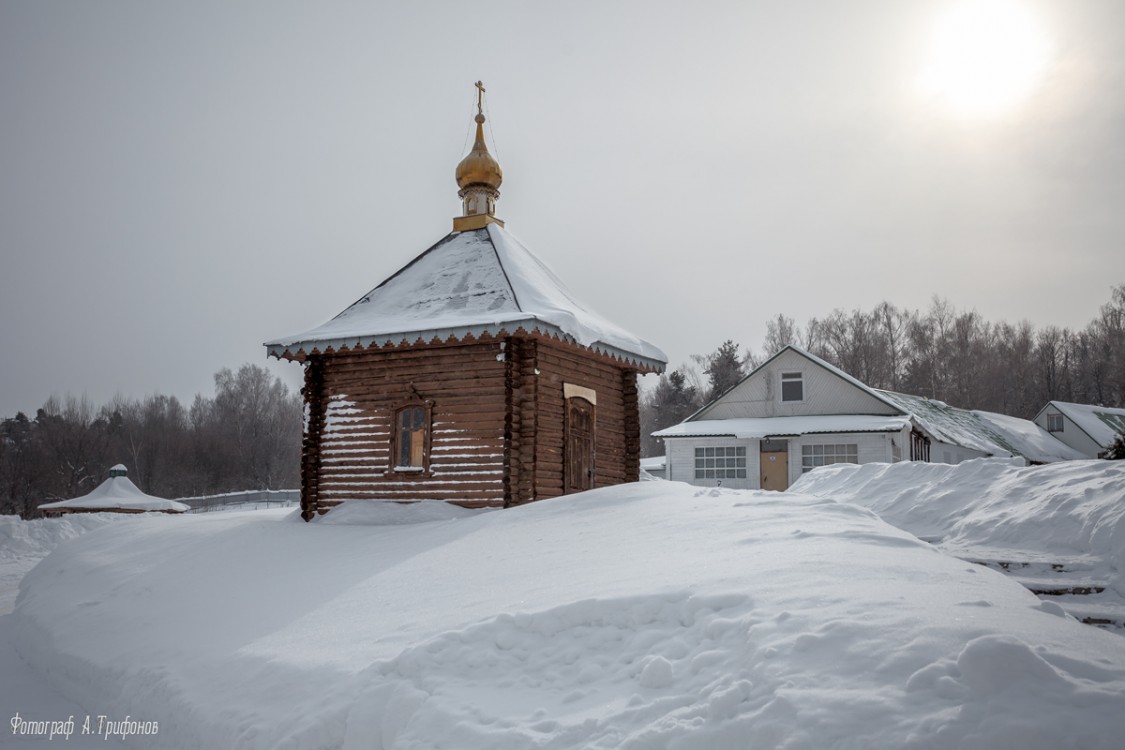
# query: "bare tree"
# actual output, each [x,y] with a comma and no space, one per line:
[781,331]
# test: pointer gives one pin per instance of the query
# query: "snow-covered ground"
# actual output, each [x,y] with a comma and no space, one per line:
[24,543]
[644,616]
[1054,528]
[241,507]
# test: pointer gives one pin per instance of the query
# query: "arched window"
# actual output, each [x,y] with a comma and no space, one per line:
[412,438]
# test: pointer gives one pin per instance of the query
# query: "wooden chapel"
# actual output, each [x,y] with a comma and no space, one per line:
[471,375]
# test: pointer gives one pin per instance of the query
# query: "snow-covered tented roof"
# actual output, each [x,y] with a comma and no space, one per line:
[763,427]
[1101,423]
[471,283]
[1030,440]
[118,493]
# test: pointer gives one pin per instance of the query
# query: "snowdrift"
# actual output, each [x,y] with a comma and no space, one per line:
[24,543]
[652,615]
[1072,511]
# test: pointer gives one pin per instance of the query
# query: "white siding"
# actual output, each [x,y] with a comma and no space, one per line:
[825,392]
[681,461]
[872,447]
[946,453]
[1072,434]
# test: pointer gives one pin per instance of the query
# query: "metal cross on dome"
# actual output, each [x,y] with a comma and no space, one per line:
[480,97]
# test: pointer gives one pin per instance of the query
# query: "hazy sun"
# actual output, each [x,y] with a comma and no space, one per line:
[985,56]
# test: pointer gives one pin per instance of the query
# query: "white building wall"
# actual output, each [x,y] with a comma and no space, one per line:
[945,453]
[872,447]
[825,392]
[1072,434]
[681,461]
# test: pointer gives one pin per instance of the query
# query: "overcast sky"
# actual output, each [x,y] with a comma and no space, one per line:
[181,182]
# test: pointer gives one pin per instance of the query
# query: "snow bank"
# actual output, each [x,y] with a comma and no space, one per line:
[993,507]
[650,615]
[24,543]
[377,513]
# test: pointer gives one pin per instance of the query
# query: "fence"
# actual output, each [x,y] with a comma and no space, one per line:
[247,500]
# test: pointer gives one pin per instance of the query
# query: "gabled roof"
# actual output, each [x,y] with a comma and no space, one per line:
[471,283]
[1100,423]
[118,493]
[812,358]
[1030,440]
[986,433]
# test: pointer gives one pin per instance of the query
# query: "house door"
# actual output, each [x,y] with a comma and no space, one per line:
[578,459]
[775,465]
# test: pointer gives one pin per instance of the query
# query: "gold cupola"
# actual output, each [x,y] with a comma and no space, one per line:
[478,177]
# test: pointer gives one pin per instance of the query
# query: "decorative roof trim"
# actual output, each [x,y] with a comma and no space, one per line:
[308,342]
[527,325]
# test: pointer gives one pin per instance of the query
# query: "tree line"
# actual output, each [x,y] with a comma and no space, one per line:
[247,436]
[951,355]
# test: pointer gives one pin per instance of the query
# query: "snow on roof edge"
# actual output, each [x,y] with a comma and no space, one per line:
[280,348]
[539,298]
[1029,439]
[1080,413]
[761,427]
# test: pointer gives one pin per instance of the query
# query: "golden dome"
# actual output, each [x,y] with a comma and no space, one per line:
[479,168]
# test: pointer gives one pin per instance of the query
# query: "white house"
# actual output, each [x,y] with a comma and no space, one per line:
[796,412]
[1086,428]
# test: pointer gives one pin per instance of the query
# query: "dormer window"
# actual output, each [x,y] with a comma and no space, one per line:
[792,386]
[1054,423]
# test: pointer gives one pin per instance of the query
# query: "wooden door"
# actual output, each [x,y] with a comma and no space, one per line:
[774,457]
[578,459]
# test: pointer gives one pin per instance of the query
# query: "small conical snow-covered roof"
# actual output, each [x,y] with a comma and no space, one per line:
[471,283]
[118,492]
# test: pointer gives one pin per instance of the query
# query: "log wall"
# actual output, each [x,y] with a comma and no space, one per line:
[559,364]
[465,389]
[497,422]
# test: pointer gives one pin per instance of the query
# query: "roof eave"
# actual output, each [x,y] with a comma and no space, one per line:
[292,350]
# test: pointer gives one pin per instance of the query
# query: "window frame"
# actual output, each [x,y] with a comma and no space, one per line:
[396,466]
[1055,423]
[810,455]
[789,378]
[730,468]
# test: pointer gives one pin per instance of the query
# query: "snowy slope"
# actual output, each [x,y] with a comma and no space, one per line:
[1059,530]
[650,615]
[24,543]
[1065,510]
